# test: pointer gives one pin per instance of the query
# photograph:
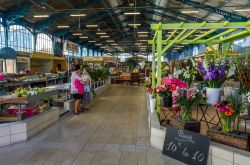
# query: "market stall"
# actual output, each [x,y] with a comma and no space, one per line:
[23,62]
[41,62]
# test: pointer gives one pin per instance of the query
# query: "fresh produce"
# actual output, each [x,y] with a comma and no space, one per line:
[24,92]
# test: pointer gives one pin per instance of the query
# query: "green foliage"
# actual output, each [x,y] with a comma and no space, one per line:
[132,63]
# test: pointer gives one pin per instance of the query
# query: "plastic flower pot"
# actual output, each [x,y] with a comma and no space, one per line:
[213,95]
[152,105]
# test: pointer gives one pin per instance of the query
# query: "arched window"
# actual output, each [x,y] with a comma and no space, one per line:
[2,40]
[90,52]
[20,38]
[84,52]
[44,43]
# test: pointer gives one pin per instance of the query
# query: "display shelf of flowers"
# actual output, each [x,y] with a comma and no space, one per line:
[214,70]
[233,106]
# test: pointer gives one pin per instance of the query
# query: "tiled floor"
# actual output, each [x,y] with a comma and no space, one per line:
[115,131]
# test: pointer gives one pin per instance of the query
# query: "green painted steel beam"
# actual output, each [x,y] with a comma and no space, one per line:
[153,67]
[229,25]
[155,37]
[205,34]
[171,35]
[190,33]
[165,42]
[221,34]
[236,36]
[173,41]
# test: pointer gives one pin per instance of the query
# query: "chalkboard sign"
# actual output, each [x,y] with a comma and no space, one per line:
[186,146]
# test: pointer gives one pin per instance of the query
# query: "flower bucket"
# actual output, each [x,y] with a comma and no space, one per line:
[235,92]
[213,95]
[167,101]
[152,105]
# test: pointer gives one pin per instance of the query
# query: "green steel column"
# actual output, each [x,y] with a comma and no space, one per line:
[159,54]
[153,66]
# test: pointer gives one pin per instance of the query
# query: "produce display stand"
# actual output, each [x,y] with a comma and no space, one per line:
[31,100]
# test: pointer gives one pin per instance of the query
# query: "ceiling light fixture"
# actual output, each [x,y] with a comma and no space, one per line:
[143,32]
[98,44]
[134,24]
[92,41]
[114,44]
[77,15]
[189,11]
[110,40]
[101,33]
[41,16]
[104,36]
[132,13]
[77,34]
[240,10]
[62,26]
[143,35]
[84,37]
[89,26]
[143,40]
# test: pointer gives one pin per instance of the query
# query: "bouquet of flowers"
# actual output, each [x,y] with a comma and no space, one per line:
[229,111]
[187,73]
[214,70]
[243,72]
[164,91]
[186,97]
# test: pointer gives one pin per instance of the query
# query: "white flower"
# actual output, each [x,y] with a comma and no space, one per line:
[248,97]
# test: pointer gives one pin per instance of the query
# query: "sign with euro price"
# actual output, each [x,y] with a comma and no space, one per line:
[186,146]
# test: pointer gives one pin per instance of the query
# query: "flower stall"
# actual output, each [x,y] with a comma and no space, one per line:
[200,86]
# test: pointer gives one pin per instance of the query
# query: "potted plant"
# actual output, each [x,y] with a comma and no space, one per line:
[214,70]
[166,93]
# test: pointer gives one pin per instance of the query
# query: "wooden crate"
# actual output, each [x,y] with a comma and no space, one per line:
[235,139]
[9,118]
[192,125]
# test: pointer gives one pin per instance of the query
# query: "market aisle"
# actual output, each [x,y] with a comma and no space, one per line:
[115,131]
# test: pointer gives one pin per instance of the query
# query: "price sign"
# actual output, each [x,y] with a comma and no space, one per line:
[185,146]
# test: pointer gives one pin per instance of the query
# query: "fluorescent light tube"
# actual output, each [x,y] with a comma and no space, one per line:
[77,34]
[132,13]
[101,33]
[83,37]
[91,26]
[41,16]
[77,15]
[189,11]
[62,26]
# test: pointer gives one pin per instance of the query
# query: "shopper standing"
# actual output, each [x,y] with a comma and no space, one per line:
[87,85]
[76,88]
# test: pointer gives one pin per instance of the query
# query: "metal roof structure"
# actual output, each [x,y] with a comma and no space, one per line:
[111,20]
